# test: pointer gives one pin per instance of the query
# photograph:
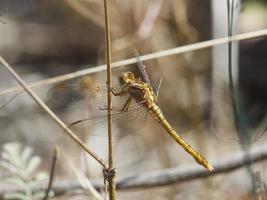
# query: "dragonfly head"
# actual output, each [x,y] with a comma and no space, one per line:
[127,78]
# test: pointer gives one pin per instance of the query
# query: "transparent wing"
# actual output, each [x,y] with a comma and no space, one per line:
[79,96]
[85,105]
[67,95]
[122,123]
[142,68]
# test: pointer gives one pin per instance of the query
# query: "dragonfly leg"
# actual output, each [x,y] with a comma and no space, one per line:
[120,93]
[127,104]
[112,109]
[125,107]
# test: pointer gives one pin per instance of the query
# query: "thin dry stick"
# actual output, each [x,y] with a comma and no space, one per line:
[84,181]
[164,177]
[51,113]
[152,13]
[52,172]
[169,52]
[110,174]
[85,12]
[108,60]
[191,172]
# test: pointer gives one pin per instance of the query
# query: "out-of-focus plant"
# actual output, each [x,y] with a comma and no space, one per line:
[22,166]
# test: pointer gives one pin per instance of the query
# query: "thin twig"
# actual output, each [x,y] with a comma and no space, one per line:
[240,123]
[191,172]
[165,177]
[10,100]
[85,12]
[230,18]
[108,61]
[51,176]
[83,180]
[152,13]
[110,179]
[163,53]
[51,113]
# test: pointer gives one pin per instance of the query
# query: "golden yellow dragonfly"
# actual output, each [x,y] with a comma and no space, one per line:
[144,95]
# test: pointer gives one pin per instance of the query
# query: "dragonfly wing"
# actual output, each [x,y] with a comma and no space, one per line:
[142,68]
[122,120]
[78,96]
[88,108]
[63,95]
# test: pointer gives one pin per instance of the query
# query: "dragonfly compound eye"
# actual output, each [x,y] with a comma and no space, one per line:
[128,77]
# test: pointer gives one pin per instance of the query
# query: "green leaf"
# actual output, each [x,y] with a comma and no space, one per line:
[8,166]
[41,176]
[23,167]
[19,196]
[34,162]
[26,154]
[16,181]
[41,195]
[12,147]
[12,153]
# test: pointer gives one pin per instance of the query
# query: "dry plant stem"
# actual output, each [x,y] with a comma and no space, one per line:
[111,182]
[52,172]
[152,13]
[51,113]
[85,12]
[164,53]
[84,181]
[108,60]
[191,172]
[164,177]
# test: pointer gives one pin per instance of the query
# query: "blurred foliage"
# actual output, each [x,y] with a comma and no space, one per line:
[22,169]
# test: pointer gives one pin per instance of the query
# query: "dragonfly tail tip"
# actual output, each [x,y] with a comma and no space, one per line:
[209,167]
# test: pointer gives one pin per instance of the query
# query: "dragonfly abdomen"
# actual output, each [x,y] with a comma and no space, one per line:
[156,113]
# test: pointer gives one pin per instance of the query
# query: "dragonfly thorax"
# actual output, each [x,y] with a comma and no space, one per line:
[141,91]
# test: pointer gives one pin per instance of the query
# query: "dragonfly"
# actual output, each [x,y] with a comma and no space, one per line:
[143,94]
[138,94]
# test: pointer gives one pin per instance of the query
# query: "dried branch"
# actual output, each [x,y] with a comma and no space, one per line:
[109,179]
[167,176]
[164,53]
[85,12]
[40,102]
[51,176]
[84,182]
[150,17]
[191,172]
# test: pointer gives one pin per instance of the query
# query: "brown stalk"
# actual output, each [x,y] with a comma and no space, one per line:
[110,173]
[51,113]
[51,176]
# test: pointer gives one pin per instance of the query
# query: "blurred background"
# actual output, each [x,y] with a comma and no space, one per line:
[42,39]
